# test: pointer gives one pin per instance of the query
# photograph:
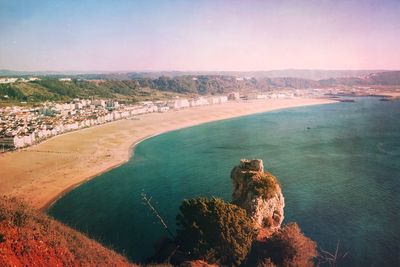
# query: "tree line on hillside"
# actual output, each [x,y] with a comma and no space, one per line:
[56,90]
[51,88]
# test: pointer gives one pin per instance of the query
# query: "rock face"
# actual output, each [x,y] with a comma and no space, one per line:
[259,193]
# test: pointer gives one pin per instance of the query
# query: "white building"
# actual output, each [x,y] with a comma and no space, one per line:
[200,101]
[262,96]
[252,96]
[223,99]
[152,108]
[137,110]
[11,141]
[163,109]
[65,79]
[218,99]
[8,80]
[99,103]
[234,96]
[179,103]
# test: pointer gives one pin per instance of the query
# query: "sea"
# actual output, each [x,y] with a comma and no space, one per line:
[338,165]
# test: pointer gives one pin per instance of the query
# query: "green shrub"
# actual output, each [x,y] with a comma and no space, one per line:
[214,230]
[257,184]
[264,185]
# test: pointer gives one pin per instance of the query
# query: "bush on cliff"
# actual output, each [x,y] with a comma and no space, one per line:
[287,247]
[214,230]
[257,184]
[264,185]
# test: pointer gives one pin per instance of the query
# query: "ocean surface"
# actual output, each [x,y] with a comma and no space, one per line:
[338,164]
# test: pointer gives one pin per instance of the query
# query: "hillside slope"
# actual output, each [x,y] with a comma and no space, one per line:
[30,238]
[134,89]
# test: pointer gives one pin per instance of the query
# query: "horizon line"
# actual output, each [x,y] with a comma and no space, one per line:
[155,71]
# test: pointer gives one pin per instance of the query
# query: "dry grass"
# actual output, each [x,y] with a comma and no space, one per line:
[30,238]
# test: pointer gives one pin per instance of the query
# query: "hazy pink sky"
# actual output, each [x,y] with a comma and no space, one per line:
[199,35]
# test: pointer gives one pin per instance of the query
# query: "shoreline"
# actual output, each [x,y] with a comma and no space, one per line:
[72,187]
[44,178]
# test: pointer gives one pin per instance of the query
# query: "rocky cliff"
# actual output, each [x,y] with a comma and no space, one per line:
[259,193]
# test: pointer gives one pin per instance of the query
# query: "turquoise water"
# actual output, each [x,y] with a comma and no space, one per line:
[339,166]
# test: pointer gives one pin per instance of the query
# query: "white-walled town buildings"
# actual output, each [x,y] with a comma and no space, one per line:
[21,126]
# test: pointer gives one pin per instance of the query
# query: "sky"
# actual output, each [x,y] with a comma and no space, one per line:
[198,35]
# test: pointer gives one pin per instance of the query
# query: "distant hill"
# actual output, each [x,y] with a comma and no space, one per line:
[384,78]
[289,73]
[319,74]
[123,75]
[54,90]
[388,78]
[16,73]
[131,87]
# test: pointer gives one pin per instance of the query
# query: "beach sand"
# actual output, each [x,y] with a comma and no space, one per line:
[42,173]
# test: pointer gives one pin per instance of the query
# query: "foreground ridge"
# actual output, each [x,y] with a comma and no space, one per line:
[31,238]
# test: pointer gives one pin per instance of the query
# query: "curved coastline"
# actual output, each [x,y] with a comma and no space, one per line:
[42,191]
[72,187]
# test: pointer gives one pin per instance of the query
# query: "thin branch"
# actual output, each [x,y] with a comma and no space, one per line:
[158,216]
[332,259]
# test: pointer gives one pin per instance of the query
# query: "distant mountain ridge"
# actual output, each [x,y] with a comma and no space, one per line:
[385,78]
[289,73]
[388,78]
[132,87]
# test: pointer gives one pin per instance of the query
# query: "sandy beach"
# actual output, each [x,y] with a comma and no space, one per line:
[42,173]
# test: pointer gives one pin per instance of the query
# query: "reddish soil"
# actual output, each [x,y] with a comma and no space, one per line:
[30,238]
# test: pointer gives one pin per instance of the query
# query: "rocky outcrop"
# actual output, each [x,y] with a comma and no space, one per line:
[259,193]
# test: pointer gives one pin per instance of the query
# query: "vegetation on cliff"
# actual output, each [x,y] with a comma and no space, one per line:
[237,234]
[261,184]
[286,247]
[214,230]
[30,238]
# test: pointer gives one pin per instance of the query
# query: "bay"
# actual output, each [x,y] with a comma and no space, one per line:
[338,164]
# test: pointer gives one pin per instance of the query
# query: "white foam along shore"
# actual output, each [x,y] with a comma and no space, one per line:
[44,172]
